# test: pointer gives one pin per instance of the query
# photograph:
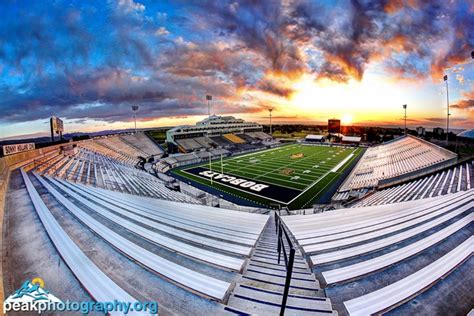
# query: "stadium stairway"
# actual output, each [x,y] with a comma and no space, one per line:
[260,288]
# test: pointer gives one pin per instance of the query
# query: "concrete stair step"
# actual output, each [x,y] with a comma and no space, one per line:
[298,301]
[279,288]
[266,246]
[268,241]
[273,263]
[297,263]
[265,251]
[280,273]
[274,254]
[277,280]
[271,267]
[264,302]
[278,267]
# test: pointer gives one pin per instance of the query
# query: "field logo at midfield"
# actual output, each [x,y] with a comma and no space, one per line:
[243,183]
[287,171]
[297,156]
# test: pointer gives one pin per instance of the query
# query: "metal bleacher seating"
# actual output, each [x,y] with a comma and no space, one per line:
[394,159]
[118,143]
[205,142]
[208,236]
[143,143]
[221,141]
[248,138]
[188,144]
[124,148]
[359,244]
[106,148]
[259,135]
[91,168]
[234,139]
[414,283]
[97,283]
[455,179]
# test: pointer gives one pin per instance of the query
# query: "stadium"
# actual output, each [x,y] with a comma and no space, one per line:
[306,189]
[239,223]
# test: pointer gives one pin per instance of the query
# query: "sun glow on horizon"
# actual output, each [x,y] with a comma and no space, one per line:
[374,98]
[346,119]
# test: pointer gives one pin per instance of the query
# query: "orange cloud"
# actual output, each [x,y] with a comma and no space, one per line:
[393,6]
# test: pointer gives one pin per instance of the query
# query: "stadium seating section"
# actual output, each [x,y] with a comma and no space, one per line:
[205,142]
[124,148]
[91,168]
[396,158]
[221,238]
[188,144]
[233,142]
[451,180]
[234,139]
[424,240]
[248,138]
[259,135]
[221,141]
[142,143]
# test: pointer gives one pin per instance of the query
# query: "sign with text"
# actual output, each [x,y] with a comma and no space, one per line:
[17,148]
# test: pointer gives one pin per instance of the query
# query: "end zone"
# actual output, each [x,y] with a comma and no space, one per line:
[264,190]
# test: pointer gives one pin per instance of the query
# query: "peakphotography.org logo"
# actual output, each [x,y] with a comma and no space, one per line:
[32,297]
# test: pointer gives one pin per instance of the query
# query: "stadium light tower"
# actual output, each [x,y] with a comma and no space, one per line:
[405,107]
[445,78]
[135,109]
[270,112]
[208,98]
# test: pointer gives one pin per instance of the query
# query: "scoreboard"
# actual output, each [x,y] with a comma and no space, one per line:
[57,127]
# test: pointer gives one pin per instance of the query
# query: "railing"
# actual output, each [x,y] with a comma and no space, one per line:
[289,258]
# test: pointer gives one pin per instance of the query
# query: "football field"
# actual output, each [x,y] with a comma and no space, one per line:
[292,175]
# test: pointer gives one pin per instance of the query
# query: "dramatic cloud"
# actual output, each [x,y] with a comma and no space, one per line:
[467,103]
[92,61]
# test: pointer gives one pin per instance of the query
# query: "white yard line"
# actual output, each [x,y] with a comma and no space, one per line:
[336,168]
[289,164]
[312,185]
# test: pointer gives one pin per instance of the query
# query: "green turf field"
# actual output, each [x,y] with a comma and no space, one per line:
[296,174]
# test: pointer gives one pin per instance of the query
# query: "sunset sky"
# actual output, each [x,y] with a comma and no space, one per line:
[89,61]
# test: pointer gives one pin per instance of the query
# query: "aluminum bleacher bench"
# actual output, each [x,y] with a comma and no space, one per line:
[388,227]
[195,281]
[96,283]
[412,285]
[141,217]
[367,266]
[384,222]
[345,220]
[246,225]
[164,217]
[385,242]
[191,251]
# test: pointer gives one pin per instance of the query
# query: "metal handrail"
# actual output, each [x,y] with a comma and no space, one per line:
[289,258]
